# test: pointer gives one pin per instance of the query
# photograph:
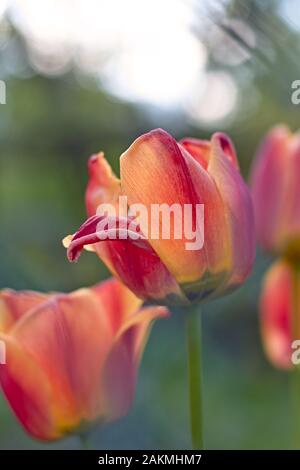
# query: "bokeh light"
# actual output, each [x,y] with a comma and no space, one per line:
[139,52]
[216,98]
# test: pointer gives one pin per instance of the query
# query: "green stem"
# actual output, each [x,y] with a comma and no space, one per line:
[84,438]
[295,373]
[193,318]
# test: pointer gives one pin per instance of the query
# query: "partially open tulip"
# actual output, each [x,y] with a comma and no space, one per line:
[276,315]
[157,170]
[276,193]
[71,359]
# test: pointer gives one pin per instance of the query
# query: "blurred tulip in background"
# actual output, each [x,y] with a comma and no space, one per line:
[276,314]
[276,192]
[72,359]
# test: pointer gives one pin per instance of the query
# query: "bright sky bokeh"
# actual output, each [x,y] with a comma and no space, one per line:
[142,51]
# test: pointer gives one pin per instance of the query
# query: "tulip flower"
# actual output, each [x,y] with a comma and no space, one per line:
[276,315]
[276,193]
[71,359]
[157,170]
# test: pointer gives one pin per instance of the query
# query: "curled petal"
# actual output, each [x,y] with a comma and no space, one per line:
[66,242]
[129,257]
[101,228]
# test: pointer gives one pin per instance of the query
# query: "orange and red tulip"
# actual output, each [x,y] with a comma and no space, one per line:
[71,359]
[276,315]
[276,192]
[158,170]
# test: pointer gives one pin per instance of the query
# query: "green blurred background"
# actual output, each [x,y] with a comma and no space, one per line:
[84,76]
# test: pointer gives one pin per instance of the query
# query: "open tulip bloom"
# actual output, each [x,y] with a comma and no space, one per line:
[160,180]
[72,359]
[207,252]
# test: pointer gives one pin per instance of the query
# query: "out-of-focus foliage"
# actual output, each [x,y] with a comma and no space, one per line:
[48,128]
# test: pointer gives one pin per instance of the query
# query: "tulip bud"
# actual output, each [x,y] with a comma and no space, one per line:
[276,193]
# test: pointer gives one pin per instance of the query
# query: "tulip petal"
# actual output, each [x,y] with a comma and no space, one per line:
[30,394]
[103,185]
[118,300]
[137,327]
[141,270]
[72,353]
[152,159]
[270,186]
[73,359]
[238,209]
[199,149]
[122,362]
[156,170]
[132,260]
[101,228]
[275,315]
[14,304]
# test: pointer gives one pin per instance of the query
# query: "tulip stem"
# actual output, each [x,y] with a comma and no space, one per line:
[194,375]
[295,373]
[84,438]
